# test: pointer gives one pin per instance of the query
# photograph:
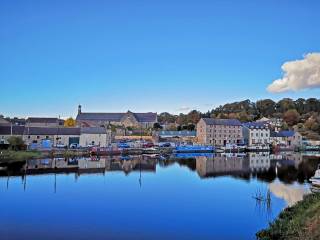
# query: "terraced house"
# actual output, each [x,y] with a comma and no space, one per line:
[219,132]
[128,119]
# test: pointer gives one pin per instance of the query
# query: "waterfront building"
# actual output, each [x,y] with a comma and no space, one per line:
[219,132]
[56,135]
[289,138]
[7,131]
[256,134]
[128,119]
[97,136]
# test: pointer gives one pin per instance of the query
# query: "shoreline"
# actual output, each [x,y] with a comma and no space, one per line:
[300,221]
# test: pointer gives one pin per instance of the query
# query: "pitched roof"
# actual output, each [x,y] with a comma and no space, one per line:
[288,133]
[116,117]
[215,121]
[51,131]
[93,130]
[255,125]
[16,130]
[42,120]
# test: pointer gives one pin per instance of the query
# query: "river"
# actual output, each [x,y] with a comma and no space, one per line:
[184,196]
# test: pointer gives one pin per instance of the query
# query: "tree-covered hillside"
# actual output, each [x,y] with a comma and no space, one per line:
[302,114]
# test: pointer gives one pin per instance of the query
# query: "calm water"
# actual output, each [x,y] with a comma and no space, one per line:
[147,197]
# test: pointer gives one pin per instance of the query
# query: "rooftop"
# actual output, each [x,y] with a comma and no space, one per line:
[226,122]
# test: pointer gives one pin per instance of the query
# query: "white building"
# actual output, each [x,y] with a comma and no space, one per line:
[256,134]
[97,136]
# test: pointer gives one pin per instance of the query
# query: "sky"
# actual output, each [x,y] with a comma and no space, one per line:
[168,55]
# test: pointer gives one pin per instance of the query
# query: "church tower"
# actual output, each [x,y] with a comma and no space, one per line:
[79,109]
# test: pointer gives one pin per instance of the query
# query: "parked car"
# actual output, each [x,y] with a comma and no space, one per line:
[123,145]
[148,145]
[165,144]
[74,145]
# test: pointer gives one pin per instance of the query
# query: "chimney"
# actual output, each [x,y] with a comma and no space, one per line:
[79,109]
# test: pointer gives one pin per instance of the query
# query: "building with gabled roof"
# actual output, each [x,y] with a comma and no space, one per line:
[219,132]
[128,119]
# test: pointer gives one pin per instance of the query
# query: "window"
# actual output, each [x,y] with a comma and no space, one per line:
[38,137]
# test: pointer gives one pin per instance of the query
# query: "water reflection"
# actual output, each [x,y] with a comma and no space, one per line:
[174,192]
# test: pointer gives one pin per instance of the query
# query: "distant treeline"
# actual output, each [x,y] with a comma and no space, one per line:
[301,113]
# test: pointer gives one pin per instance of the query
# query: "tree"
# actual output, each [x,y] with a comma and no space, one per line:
[266,107]
[70,122]
[16,143]
[157,126]
[291,117]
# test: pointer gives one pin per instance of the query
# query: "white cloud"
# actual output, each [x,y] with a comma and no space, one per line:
[298,75]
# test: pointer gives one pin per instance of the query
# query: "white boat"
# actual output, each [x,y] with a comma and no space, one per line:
[315,180]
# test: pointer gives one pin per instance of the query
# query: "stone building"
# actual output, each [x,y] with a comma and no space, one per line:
[219,132]
[97,136]
[57,135]
[128,119]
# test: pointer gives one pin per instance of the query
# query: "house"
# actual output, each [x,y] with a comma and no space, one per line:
[7,131]
[273,123]
[4,121]
[219,132]
[128,119]
[43,122]
[256,133]
[57,135]
[287,138]
[98,136]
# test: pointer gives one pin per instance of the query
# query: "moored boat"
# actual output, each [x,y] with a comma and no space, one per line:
[193,149]
[315,180]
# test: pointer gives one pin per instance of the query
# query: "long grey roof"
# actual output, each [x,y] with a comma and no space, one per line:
[51,131]
[93,130]
[116,117]
[216,121]
[16,130]
[42,120]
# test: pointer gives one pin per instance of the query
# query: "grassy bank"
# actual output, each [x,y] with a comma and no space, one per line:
[7,155]
[301,221]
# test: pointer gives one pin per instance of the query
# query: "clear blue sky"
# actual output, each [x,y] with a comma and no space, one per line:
[147,55]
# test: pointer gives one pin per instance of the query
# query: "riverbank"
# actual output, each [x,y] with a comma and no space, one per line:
[298,222]
[7,155]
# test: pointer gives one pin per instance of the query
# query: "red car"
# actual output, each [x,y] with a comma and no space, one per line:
[148,145]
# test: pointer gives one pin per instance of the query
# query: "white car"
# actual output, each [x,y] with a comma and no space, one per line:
[74,145]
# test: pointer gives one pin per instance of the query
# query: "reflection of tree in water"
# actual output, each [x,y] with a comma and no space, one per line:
[263,206]
[266,176]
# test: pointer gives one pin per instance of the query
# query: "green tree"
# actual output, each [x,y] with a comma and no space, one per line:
[15,143]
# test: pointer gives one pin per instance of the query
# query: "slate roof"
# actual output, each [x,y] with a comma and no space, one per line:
[227,122]
[287,133]
[51,131]
[93,130]
[16,130]
[42,120]
[116,117]
[255,125]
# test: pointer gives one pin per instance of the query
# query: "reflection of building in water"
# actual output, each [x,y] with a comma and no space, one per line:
[259,161]
[221,165]
[90,165]
[127,166]
[289,158]
[290,193]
